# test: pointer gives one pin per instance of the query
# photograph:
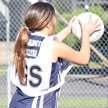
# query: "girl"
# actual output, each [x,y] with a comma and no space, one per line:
[38,62]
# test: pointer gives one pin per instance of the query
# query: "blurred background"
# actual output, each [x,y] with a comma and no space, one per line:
[86,86]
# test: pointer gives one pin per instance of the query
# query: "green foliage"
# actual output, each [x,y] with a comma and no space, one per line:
[71,40]
[60,25]
[94,9]
[100,12]
[75,12]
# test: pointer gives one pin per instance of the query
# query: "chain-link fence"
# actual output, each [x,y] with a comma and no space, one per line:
[10,21]
[86,86]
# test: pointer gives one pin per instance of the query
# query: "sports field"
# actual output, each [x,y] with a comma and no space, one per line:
[73,103]
[73,94]
[3,87]
[83,103]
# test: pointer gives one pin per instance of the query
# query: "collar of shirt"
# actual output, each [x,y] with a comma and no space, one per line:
[38,33]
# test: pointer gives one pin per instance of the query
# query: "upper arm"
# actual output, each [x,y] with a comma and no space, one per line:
[63,34]
[64,51]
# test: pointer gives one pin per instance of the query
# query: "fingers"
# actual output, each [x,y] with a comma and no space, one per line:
[98,28]
[91,26]
[73,19]
[97,25]
[80,23]
[90,18]
[81,27]
[70,25]
[96,21]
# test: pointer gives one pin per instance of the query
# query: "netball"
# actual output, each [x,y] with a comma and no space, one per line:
[84,18]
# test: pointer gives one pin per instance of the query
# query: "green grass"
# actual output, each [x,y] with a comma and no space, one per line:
[3,102]
[83,103]
[74,103]
[3,69]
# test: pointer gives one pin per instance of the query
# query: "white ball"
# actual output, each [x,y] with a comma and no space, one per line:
[33,1]
[84,18]
[86,7]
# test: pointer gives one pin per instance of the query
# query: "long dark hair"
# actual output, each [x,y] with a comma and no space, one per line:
[36,18]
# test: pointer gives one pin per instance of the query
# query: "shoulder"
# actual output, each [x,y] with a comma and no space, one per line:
[48,47]
[50,42]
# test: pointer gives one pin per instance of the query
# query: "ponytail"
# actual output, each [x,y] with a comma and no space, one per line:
[20,53]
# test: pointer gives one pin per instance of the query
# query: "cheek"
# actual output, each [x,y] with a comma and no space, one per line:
[53,28]
[54,22]
[54,25]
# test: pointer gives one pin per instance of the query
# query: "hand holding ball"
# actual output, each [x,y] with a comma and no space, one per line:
[84,18]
